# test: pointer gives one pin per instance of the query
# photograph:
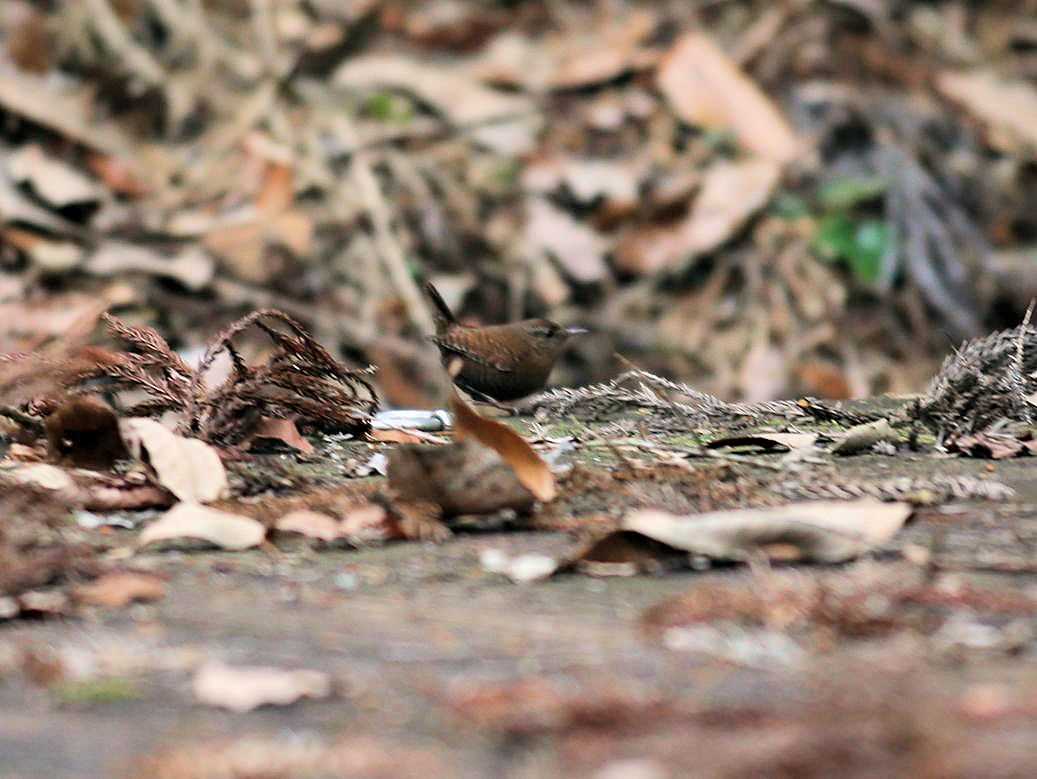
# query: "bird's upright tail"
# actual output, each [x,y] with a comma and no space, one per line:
[442,314]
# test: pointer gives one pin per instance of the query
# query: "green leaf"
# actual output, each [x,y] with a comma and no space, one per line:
[833,240]
[843,194]
[871,240]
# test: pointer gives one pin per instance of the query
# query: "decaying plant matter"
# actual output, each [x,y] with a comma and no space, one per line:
[987,381]
[301,381]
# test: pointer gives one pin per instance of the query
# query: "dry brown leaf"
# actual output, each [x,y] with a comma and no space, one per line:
[220,528]
[462,477]
[455,94]
[245,688]
[283,430]
[121,588]
[53,181]
[187,467]
[404,437]
[192,267]
[1008,107]
[368,523]
[578,248]
[312,524]
[531,470]
[824,531]
[117,175]
[731,193]
[706,89]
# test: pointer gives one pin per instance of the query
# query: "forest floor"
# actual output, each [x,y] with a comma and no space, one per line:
[917,660]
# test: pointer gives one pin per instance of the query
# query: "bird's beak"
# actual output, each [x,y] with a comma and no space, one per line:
[576,330]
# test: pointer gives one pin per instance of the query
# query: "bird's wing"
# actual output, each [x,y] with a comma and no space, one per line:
[457,345]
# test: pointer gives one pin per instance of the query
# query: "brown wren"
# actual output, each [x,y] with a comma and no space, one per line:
[498,362]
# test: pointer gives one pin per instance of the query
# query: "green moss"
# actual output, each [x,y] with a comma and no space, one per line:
[92,691]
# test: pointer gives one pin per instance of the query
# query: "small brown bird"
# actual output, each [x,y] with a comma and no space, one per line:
[499,362]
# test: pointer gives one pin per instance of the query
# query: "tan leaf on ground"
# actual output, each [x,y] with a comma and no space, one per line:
[220,528]
[577,248]
[245,688]
[192,267]
[121,588]
[731,193]
[187,467]
[55,182]
[283,430]
[311,524]
[49,477]
[455,94]
[1009,107]
[47,254]
[706,89]
[530,468]
[824,531]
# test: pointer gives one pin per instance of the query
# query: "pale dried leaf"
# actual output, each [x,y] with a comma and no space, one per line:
[192,267]
[49,477]
[53,181]
[731,193]
[707,89]
[51,256]
[861,438]
[245,688]
[193,521]
[1009,107]
[824,531]
[511,122]
[187,467]
[577,248]
[312,524]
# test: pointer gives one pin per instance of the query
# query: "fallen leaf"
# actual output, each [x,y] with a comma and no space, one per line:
[119,589]
[220,528]
[707,89]
[824,531]
[192,267]
[579,249]
[505,123]
[463,477]
[367,524]
[861,438]
[731,192]
[311,524]
[244,688]
[990,446]
[1009,107]
[768,442]
[521,568]
[404,437]
[764,371]
[282,430]
[187,467]
[49,477]
[48,255]
[531,470]
[117,175]
[53,181]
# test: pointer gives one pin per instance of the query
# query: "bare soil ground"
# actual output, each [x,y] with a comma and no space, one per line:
[444,669]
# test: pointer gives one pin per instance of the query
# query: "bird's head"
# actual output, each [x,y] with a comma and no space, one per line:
[550,335]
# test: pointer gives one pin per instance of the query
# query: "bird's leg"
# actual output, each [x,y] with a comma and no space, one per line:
[481,397]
